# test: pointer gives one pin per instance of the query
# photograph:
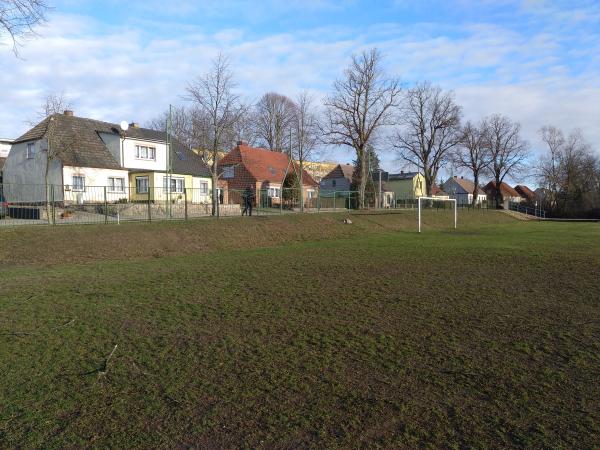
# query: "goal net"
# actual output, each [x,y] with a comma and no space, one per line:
[425,201]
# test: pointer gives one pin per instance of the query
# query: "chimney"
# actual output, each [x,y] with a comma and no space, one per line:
[455,177]
[401,172]
[134,125]
[462,178]
[69,112]
[242,143]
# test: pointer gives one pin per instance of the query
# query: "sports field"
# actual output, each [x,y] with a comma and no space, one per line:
[301,332]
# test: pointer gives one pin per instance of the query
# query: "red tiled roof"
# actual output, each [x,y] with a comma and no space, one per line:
[468,185]
[263,165]
[525,192]
[505,189]
[435,190]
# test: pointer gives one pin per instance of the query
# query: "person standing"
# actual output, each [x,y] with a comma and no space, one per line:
[247,196]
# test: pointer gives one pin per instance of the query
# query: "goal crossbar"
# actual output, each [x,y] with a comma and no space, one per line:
[435,199]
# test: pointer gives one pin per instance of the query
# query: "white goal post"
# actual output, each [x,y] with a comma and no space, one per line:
[451,200]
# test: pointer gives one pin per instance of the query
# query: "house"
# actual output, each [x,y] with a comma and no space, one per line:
[95,161]
[437,192]
[5,145]
[339,179]
[526,194]
[264,171]
[507,193]
[461,189]
[405,185]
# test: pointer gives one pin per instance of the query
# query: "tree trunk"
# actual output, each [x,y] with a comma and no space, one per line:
[363,182]
[497,191]
[475,189]
[300,185]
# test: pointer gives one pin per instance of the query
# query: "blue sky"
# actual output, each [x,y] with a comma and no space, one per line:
[537,61]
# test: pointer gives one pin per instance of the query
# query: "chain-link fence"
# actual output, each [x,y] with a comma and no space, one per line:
[58,205]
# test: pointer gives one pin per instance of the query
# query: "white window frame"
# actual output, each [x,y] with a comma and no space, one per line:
[179,187]
[310,193]
[140,150]
[30,152]
[137,190]
[229,172]
[112,187]
[274,192]
[204,187]
[75,186]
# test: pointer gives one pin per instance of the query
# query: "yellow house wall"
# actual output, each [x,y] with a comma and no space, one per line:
[157,193]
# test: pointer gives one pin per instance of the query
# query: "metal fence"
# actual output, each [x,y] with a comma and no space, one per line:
[62,205]
[526,209]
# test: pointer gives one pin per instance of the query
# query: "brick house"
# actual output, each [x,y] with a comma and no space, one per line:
[263,171]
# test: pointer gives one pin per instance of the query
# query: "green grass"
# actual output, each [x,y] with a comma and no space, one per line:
[295,332]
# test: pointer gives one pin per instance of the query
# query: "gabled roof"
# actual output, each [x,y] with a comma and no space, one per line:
[82,146]
[263,165]
[435,190]
[466,185]
[341,171]
[525,192]
[505,189]
[402,176]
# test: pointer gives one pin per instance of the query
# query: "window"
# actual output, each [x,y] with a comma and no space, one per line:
[310,194]
[229,172]
[177,184]
[274,192]
[204,188]
[143,152]
[116,184]
[141,185]
[332,183]
[78,183]
[30,150]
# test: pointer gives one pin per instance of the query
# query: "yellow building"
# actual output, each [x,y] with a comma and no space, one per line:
[406,185]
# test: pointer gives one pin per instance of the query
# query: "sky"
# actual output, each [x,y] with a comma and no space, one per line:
[536,61]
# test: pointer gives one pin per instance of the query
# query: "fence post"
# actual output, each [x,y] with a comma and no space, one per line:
[105,207]
[334,208]
[185,202]
[53,205]
[149,207]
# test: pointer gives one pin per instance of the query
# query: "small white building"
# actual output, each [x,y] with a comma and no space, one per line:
[5,146]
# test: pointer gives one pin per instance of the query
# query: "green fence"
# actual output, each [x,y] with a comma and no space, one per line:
[62,205]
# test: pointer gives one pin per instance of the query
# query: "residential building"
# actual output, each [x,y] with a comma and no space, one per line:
[507,193]
[526,194]
[5,145]
[461,189]
[90,157]
[437,192]
[405,185]
[339,179]
[262,170]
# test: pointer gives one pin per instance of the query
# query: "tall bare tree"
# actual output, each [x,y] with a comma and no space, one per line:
[182,124]
[305,135]
[55,103]
[362,102]
[19,17]
[508,151]
[213,95]
[273,117]
[473,153]
[429,131]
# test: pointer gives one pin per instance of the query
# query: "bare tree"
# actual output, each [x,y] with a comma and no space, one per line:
[219,109]
[549,169]
[181,118]
[472,153]
[19,17]
[361,104]
[53,104]
[508,151]
[305,135]
[430,129]
[273,117]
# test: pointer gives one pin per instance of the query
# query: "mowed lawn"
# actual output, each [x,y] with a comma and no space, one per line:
[302,332]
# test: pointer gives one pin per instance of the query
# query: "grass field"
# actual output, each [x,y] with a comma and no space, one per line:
[299,331]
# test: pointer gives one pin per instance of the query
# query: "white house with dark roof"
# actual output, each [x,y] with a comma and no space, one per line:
[338,180]
[5,146]
[91,157]
[461,189]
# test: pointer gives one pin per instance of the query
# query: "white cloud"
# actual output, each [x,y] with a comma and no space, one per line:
[116,73]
